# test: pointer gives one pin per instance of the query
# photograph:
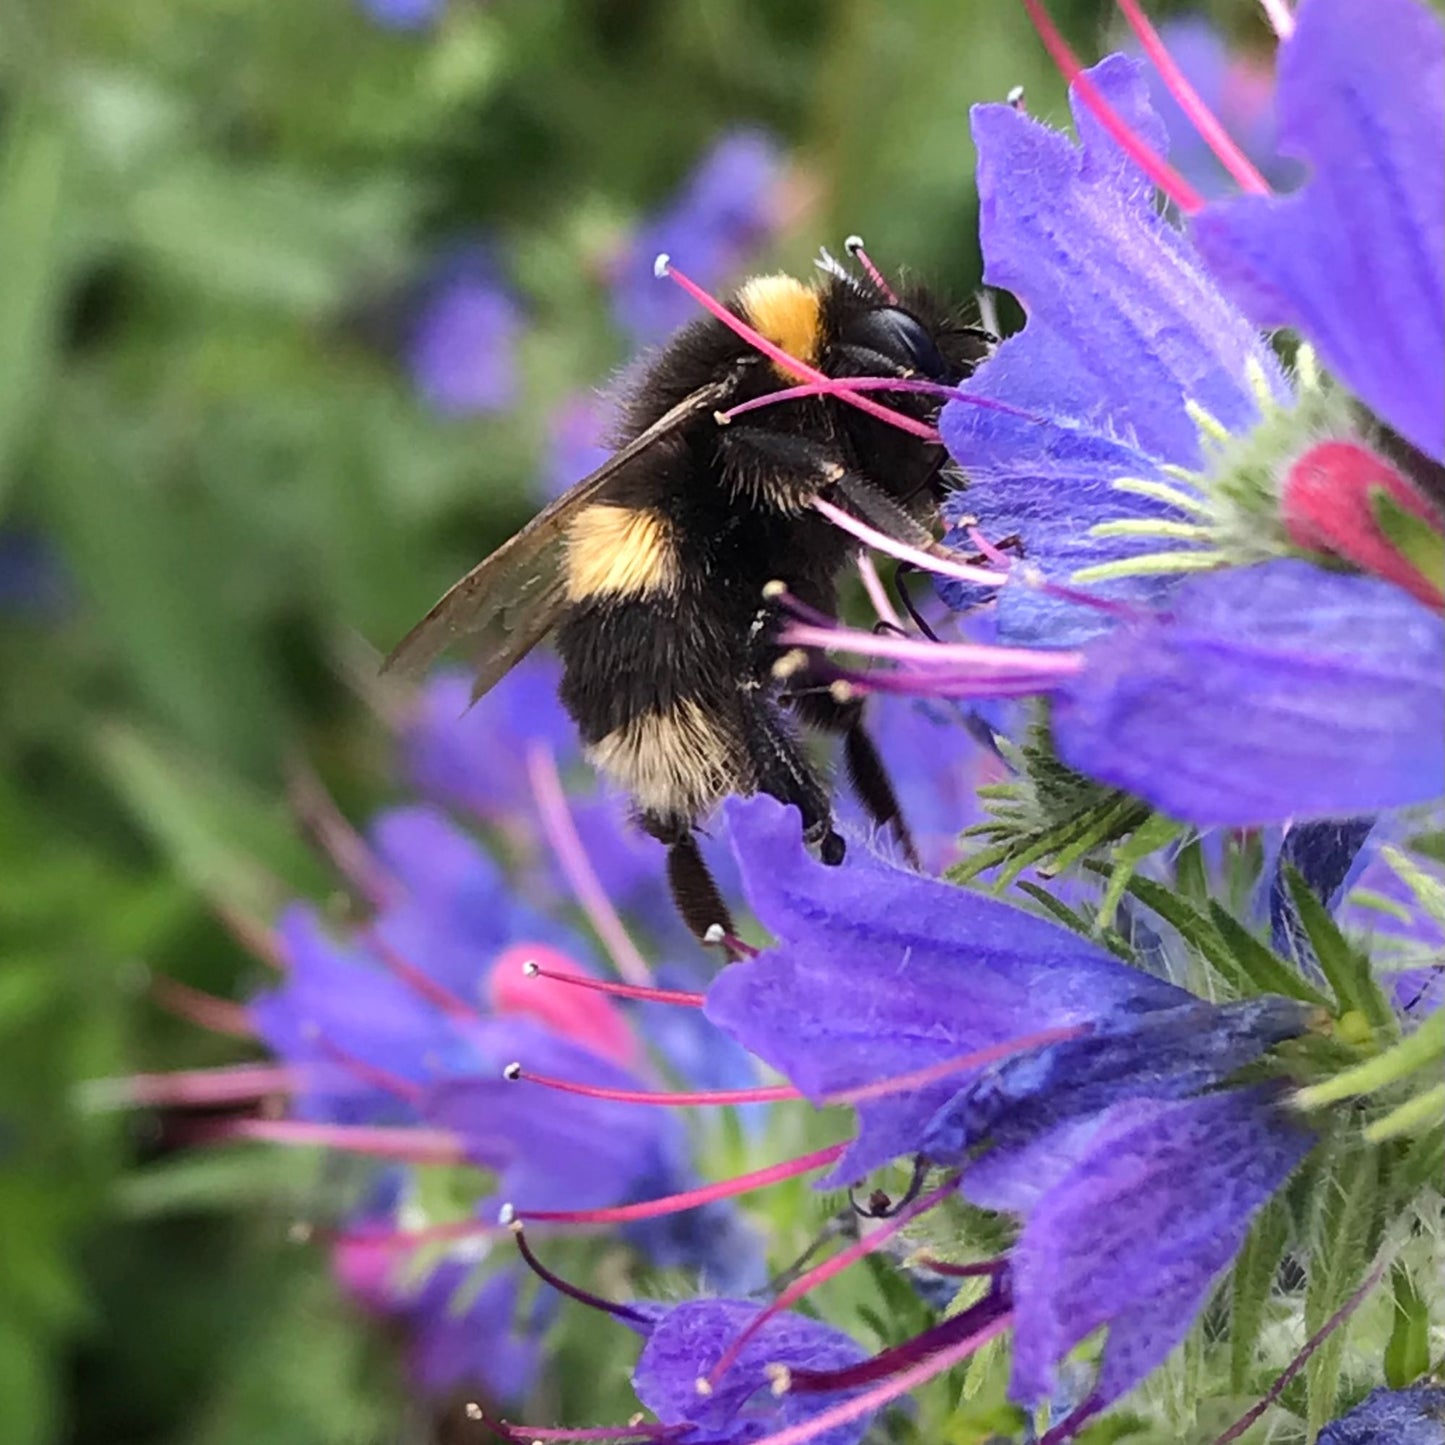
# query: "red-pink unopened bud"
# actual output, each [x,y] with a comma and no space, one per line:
[1328,506]
[589,1018]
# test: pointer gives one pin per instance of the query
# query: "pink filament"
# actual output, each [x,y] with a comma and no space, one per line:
[525,1434]
[1200,116]
[880,1395]
[1302,1359]
[204,1088]
[917,1078]
[877,593]
[343,845]
[772,1094]
[219,1015]
[562,834]
[791,364]
[822,1273]
[942,654]
[1159,171]
[689,1199]
[418,980]
[415,1146]
[626,990]
[881,542]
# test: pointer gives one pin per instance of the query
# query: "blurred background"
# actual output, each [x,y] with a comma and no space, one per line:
[304,305]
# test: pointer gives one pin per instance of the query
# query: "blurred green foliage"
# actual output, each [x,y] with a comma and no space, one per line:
[210,213]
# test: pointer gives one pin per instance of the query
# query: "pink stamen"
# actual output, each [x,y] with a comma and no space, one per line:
[951,683]
[854,247]
[881,542]
[622,1434]
[561,831]
[771,1094]
[327,825]
[254,936]
[618,990]
[691,1198]
[204,1088]
[996,555]
[418,980]
[205,1010]
[1280,17]
[412,1146]
[822,1273]
[514,985]
[1200,116]
[943,654]
[843,386]
[1302,1359]
[372,1074]
[404,1239]
[788,363]
[917,1078]
[960,1271]
[566,1287]
[903,1383]
[877,593]
[1159,171]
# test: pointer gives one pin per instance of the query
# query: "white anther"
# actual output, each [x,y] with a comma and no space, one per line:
[512,1073]
[473,1410]
[1015,97]
[702,1386]
[780,1378]
[775,589]
[792,662]
[853,245]
[663,263]
[531,968]
[507,1215]
[715,933]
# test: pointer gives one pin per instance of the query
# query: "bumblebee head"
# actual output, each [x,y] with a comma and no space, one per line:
[892,336]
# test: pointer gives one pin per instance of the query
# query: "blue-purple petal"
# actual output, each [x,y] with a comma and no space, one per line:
[1267,694]
[1355,260]
[1154,1206]
[1124,327]
[1413,1416]
[690,1338]
[877,972]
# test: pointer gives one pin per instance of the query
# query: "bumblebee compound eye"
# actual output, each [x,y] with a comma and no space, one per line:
[900,338]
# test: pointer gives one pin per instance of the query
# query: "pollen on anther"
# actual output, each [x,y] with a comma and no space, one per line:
[841,690]
[790,664]
[663,263]
[702,1385]
[473,1410]
[780,1378]
[512,1073]
[774,589]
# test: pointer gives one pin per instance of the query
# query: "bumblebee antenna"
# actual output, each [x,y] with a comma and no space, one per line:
[830,265]
[854,247]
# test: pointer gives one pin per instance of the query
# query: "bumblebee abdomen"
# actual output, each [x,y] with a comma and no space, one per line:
[622,552]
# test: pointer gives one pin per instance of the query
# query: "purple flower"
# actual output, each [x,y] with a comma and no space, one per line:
[404,14]
[725,213]
[463,337]
[1075,234]
[1263,695]
[877,972]
[687,1340]
[1129,1215]
[1236,86]
[1355,260]
[1414,1416]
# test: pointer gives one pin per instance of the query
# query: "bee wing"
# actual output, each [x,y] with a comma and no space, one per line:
[511,600]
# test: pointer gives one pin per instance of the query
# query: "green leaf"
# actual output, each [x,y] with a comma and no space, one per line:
[1426,1046]
[1154,833]
[1344,1238]
[1414,1116]
[32,173]
[1270,973]
[1346,968]
[1255,1271]
[1407,1355]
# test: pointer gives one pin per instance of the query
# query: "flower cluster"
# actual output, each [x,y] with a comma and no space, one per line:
[1158,1060]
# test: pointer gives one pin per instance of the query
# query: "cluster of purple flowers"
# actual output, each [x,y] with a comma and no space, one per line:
[1214,588]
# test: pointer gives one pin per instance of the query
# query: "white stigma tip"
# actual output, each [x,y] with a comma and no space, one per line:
[662,265]
[512,1073]
[853,245]
[531,968]
[702,1386]
[775,589]
[716,933]
[507,1215]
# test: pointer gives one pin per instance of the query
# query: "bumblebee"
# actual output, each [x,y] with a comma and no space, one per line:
[658,573]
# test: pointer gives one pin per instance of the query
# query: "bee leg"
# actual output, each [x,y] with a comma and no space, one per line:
[781,770]
[865,768]
[695,894]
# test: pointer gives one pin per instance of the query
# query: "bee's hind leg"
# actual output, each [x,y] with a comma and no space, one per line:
[695,894]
